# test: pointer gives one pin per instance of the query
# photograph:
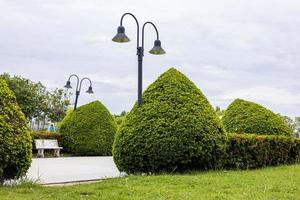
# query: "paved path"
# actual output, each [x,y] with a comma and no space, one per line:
[69,169]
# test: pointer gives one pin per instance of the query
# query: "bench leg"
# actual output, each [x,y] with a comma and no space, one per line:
[41,153]
[56,152]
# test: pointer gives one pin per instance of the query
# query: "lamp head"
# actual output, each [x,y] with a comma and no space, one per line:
[121,36]
[68,85]
[90,90]
[157,49]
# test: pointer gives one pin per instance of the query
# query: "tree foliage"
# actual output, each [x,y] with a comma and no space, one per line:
[89,130]
[36,101]
[247,117]
[249,151]
[15,138]
[174,129]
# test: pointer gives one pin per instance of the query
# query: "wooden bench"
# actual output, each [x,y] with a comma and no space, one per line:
[42,144]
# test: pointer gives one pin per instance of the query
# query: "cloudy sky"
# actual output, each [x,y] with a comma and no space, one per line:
[229,49]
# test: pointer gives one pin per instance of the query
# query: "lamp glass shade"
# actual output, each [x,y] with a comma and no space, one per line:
[121,36]
[90,90]
[68,85]
[157,49]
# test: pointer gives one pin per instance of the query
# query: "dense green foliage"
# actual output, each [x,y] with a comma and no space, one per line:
[278,183]
[89,130]
[36,101]
[120,118]
[246,151]
[173,130]
[28,94]
[15,138]
[247,117]
[47,135]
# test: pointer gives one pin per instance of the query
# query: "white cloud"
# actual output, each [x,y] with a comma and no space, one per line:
[246,49]
[265,94]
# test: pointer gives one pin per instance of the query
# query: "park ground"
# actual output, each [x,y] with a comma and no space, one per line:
[268,183]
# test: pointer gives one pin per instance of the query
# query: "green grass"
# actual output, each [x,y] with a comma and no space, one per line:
[270,183]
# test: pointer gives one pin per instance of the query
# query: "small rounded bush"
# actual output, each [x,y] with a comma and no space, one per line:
[175,129]
[89,130]
[247,117]
[15,137]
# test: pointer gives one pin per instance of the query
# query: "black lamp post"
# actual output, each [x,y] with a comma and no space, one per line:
[78,87]
[156,50]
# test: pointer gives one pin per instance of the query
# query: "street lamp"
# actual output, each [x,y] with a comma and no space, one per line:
[156,50]
[78,87]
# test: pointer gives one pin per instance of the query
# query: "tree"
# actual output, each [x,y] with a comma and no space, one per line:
[89,130]
[58,103]
[220,112]
[15,138]
[297,127]
[243,116]
[289,122]
[36,101]
[175,129]
[28,94]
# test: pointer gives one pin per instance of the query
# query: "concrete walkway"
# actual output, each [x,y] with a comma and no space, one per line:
[71,169]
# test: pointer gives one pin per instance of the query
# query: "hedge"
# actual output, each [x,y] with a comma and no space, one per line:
[175,129]
[247,117]
[88,131]
[47,135]
[248,151]
[15,137]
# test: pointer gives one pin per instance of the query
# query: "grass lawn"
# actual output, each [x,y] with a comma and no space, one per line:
[270,183]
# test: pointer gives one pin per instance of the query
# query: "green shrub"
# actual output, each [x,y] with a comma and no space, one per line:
[246,151]
[119,120]
[247,117]
[47,135]
[67,116]
[89,130]
[174,129]
[15,138]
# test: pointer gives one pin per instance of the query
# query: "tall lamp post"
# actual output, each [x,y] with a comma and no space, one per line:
[78,87]
[156,50]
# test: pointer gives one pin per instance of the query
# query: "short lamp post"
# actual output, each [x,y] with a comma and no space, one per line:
[78,87]
[156,50]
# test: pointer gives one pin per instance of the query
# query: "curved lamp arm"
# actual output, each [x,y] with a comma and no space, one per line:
[143,29]
[72,75]
[85,78]
[137,23]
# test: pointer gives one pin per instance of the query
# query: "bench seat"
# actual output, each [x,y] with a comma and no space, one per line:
[44,144]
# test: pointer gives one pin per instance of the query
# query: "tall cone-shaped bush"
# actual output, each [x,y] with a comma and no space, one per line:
[175,129]
[247,117]
[15,138]
[89,130]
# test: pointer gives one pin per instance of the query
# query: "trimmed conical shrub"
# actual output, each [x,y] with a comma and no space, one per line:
[89,130]
[15,138]
[247,117]
[175,129]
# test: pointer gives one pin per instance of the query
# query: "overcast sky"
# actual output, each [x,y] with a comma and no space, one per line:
[229,49]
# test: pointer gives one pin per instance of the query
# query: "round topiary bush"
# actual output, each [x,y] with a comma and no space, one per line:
[175,129]
[15,138]
[247,117]
[89,130]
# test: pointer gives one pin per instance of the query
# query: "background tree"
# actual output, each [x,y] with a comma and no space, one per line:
[297,127]
[289,121]
[58,103]
[36,101]
[26,92]
[294,124]
[219,112]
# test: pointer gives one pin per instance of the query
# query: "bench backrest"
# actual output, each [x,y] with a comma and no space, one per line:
[46,143]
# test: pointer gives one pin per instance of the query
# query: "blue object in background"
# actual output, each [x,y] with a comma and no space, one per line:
[51,128]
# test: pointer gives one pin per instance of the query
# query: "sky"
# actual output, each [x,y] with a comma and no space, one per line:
[229,49]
